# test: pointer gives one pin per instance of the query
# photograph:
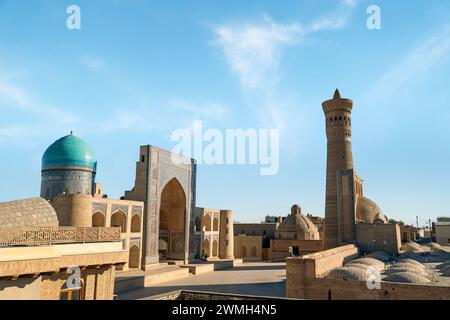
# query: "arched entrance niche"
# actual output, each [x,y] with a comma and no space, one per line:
[215,249]
[98,219]
[206,248]
[133,262]
[244,252]
[172,215]
[206,223]
[136,223]
[119,219]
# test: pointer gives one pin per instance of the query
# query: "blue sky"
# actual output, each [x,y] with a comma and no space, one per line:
[137,70]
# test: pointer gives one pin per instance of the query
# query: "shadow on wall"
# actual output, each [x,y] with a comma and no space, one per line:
[256,268]
[267,289]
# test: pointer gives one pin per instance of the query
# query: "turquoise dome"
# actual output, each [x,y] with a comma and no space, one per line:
[69,151]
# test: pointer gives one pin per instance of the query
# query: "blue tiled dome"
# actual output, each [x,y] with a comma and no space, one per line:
[69,151]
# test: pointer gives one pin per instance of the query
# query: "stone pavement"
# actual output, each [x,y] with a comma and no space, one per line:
[252,278]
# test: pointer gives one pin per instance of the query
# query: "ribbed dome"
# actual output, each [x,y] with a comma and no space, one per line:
[69,151]
[368,211]
[27,213]
[298,224]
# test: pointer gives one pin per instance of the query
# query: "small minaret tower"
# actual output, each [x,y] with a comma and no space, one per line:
[339,157]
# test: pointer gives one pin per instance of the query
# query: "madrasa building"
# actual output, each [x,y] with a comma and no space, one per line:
[155,224]
[156,216]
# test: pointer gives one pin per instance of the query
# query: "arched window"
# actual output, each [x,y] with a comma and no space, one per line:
[98,219]
[244,252]
[206,248]
[216,224]
[133,258]
[136,223]
[214,249]
[198,224]
[72,291]
[206,223]
[177,245]
[254,251]
[119,219]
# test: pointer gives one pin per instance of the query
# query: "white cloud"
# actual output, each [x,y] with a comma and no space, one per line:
[31,117]
[253,51]
[12,94]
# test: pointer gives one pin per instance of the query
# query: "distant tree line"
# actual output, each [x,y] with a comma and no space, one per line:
[397,222]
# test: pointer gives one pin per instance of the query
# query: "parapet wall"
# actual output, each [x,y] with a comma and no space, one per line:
[300,272]
[378,237]
[329,289]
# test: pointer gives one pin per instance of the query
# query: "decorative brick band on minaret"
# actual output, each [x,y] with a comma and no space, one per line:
[339,157]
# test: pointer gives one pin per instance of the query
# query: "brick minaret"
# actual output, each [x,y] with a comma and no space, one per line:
[339,157]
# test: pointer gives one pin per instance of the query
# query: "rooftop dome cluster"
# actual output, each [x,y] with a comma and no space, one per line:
[358,270]
[409,271]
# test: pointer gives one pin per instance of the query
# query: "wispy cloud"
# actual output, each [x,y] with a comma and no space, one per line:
[211,111]
[15,97]
[253,51]
[414,64]
[24,116]
[152,116]
[92,62]
[12,94]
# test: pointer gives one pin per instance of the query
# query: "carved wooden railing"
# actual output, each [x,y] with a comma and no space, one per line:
[41,236]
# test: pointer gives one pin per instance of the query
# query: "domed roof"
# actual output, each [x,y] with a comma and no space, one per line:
[368,211]
[420,272]
[27,213]
[407,277]
[412,247]
[348,273]
[298,223]
[379,255]
[368,262]
[69,151]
